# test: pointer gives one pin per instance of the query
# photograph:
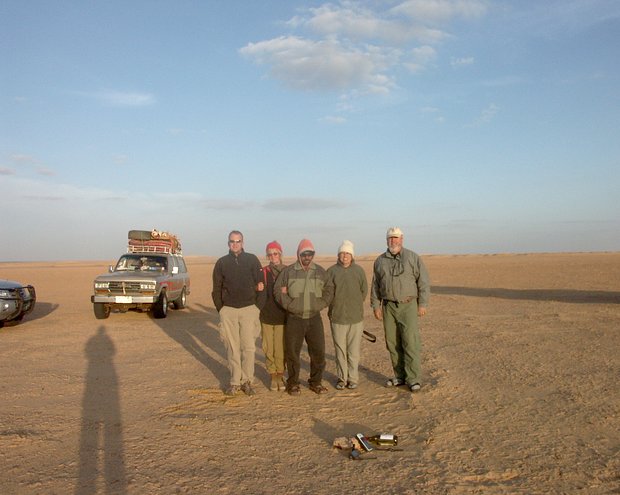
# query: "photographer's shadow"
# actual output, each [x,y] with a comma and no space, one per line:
[101,435]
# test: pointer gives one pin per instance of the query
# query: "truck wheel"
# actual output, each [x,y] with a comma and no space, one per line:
[160,308]
[102,311]
[180,302]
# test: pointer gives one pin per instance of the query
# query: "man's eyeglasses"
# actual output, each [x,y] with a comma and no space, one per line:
[230,241]
[307,254]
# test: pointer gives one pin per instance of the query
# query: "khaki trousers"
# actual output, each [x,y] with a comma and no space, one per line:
[347,340]
[239,328]
[273,347]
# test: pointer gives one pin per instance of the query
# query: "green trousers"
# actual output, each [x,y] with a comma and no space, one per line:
[402,339]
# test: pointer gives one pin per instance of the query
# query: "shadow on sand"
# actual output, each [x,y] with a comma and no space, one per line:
[558,295]
[196,331]
[101,436]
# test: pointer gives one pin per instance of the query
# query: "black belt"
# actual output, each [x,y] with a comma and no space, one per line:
[404,301]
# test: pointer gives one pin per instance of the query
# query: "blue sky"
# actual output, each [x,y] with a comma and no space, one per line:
[476,126]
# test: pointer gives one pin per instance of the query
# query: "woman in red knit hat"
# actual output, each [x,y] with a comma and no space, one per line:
[273,319]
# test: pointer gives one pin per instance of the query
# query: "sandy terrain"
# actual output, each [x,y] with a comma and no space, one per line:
[521,392]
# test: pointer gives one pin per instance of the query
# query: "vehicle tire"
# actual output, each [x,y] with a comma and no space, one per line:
[102,311]
[160,308]
[1,323]
[180,302]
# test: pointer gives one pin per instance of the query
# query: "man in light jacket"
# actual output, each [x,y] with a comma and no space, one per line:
[399,294]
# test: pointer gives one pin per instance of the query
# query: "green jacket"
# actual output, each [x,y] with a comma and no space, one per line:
[350,291]
[308,292]
[400,278]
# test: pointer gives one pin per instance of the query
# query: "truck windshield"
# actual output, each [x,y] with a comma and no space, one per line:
[140,262]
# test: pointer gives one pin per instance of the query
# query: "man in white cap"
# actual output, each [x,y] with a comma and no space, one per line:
[346,314]
[400,292]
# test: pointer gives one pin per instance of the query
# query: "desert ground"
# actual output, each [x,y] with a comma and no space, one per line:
[521,392]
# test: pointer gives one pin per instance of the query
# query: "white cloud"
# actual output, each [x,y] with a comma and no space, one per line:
[438,11]
[420,58]
[356,46]
[120,159]
[122,99]
[328,64]
[6,171]
[333,119]
[461,62]
[487,114]
[504,81]
[226,204]
[288,204]
[21,159]
[352,20]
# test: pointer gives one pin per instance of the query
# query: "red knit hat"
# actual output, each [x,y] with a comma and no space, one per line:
[304,245]
[274,245]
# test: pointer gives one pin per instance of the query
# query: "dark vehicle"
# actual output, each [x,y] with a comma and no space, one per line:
[16,301]
[150,277]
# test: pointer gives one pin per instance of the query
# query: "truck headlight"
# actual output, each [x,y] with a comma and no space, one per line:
[102,285]
[147,285]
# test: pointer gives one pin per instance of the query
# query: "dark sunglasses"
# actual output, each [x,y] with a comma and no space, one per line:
[307,254]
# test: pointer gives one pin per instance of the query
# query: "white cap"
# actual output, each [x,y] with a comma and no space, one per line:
[394,232]
[346,247]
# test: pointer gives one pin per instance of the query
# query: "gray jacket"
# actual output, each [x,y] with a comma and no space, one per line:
[402,277]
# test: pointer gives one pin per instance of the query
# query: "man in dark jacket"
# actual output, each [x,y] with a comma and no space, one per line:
[303,289]
[237,283]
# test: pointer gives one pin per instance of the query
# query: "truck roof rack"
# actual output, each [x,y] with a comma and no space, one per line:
[143,241]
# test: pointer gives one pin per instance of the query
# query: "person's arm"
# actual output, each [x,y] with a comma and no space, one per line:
[261,288]
[280,289]
[328,290]
[363,283]
[375,299]
[424,288]
[218,280]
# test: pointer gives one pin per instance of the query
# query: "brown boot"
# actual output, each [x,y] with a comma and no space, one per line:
[274,382]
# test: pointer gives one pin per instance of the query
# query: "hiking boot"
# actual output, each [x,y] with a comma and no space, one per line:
[351,385]
[394,382]
[294,390]
[318,389]
[273,386]
[340,385]
[232,390]
[414,387]
[247,389]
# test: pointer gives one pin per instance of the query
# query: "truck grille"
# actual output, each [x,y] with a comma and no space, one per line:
[124,287]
